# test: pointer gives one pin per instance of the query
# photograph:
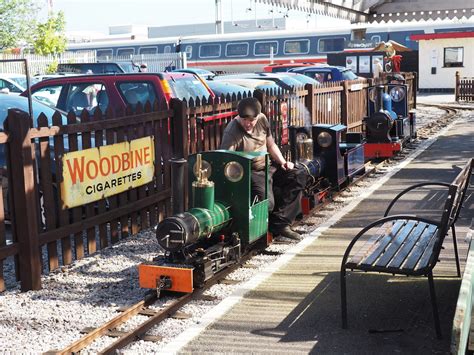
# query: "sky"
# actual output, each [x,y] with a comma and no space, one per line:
[98,15]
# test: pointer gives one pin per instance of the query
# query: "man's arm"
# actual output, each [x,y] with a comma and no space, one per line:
[228,142]
[275,153]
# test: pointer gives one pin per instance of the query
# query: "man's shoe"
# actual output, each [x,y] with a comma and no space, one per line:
[287,232]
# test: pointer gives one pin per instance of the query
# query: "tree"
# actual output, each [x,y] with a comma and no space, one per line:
[17,22]
[50,37]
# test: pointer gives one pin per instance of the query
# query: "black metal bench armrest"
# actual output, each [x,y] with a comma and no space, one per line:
[413,187]
[379,222]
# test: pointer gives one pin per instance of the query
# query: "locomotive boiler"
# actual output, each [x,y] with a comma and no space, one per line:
[389,125]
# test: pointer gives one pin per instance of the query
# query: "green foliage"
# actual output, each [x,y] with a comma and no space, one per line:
[17,22]
[50,37]
[52,67]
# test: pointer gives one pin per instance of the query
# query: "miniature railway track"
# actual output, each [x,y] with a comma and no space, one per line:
[428,130]
[141,308]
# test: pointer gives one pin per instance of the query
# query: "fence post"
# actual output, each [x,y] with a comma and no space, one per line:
[261,96]
[22,188]
[456,89]
[309,103]
[345,103]
[180,141]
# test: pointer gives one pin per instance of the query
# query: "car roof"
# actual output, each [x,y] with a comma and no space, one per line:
[226,88]
[325,68]
[302,78]
[249,83]
[177,75]
[12,75]
[193,70]
[85,77]
[20,102]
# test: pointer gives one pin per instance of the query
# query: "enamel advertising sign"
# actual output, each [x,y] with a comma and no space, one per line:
[92,174]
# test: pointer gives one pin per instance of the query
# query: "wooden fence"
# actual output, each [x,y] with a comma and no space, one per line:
[41,236]
[464,90]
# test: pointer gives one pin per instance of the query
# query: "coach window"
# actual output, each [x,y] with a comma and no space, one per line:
[237,49]
[189,51]
[296,47]
[148,50]
[264,48]
[326,45]
[125,52]
[167,49]
[209,50]
[453,57]
[104,53]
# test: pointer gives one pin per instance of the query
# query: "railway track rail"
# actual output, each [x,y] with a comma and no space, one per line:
[427,130]
[125,338]
[142,308]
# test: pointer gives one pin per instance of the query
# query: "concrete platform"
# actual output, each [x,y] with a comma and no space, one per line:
[296,310]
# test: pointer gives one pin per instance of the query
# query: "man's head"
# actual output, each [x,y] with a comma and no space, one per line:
[249,108]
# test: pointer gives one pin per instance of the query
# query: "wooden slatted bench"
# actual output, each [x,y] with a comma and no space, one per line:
[408,244]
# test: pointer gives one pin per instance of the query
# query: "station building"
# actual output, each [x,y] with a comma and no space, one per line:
[441,55]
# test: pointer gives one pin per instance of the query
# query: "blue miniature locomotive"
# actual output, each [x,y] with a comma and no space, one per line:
[330,161]
[389,125]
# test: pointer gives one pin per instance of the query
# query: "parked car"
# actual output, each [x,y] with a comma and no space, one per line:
[252,84]
[303,79]
[323,73]
[220,88]
[14,83]
[14,101]
[283,81]
[203,73]
[97,68]
[284,67]
[75,93]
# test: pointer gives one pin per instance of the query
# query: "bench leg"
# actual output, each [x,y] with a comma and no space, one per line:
[343,299]
[434,305]
[455,242]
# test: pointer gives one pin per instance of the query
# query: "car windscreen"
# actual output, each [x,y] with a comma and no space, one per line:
[21,81]
[128,67]
[186,87]
[348,75]
[225,88]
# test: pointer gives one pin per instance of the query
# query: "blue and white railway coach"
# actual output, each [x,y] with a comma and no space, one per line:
[251,51]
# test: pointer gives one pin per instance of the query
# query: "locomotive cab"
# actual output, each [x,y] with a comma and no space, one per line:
[222,219]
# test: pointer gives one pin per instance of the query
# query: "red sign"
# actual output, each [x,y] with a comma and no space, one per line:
[284,123]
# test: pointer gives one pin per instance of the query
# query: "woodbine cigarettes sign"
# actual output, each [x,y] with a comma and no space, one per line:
[92,174]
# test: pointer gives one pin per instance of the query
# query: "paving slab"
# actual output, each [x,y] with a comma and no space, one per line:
[296,310]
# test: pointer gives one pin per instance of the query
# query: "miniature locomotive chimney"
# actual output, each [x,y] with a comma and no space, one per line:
[379,99]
